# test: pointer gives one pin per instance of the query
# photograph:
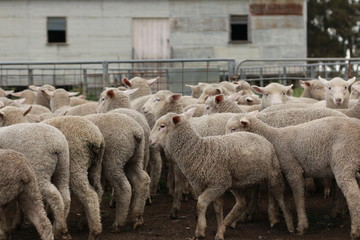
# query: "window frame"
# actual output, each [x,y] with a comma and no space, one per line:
[47,31]
[248,24]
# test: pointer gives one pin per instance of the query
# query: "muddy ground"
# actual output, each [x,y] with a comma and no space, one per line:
[158,225]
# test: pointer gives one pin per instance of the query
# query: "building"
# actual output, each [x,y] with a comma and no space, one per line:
[78,30]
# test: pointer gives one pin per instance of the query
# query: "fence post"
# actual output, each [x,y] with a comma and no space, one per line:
[105,68]
[85,83]
[30,77]
[231,69]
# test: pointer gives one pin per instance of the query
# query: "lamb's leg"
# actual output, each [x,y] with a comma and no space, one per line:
[278,193]
[155,165]
[218,206]
[296,181]
[327,182]
[237,210]
[95,179]
[122,190]
[180,185]
[205,198]
[170,177]
[347,183]
[32,205]
[89,199]
[52,196]
[140,183]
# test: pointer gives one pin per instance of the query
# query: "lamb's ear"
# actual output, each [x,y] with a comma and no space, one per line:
[249,99]
[174,97]
[235,96]
[71,94]
[189,113]
[33,87]
[8,92]
[50,93]
[19,101]
[288,91]
[259,90]
[219,98]
[253,113]
[244,122]
[27,111]
[110,93]
[190,86]
[151,81]
[305,84]
[126,81]
[350,81]
[130,91]
[2,117]
[323,81]
[34,118]
[17,94]
[176,119]
[217,91]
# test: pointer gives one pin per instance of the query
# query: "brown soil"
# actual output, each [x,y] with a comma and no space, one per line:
[158,225]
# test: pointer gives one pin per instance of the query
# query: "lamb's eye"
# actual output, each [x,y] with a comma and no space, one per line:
[345,87]
[329,88]
[156,99]
[162,126]
[233,130]
[267,94]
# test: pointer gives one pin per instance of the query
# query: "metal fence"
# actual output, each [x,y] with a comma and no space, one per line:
[289,71]
[91,77]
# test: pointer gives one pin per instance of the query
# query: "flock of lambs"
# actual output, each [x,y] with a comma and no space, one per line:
[222,138]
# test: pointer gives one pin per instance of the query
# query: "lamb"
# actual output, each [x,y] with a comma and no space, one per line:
[86,148]
[123,165]
[19,184]
[200,109]
[29,96]
[221,103]
[41,97]
[42,143]
[117,101]
[313,89]
[273,94]
[337,94]
[334,155]
[143,93]
[355,93]
[12,115]
[211,172]
[4,93]
[196,90]
[211,90]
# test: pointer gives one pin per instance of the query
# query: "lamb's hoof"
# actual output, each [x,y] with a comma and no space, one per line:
[115,228]
[138,222]
[148,201]
[63,236]
[173,214]
[195,238]
[355,234]
[93,236]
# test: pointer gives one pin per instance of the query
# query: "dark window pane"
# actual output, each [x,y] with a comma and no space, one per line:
[56,29]
[56,36]
[239,32]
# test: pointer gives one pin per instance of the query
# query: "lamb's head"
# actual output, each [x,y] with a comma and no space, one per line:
[337,93]
[212,103]
[113,98]
[273,93]
[196,90]
[167,123]
[240,122]
[159,101]
[314,88]
[210,90]
[58,96]
[355,90]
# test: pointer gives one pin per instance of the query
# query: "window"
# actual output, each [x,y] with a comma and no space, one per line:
[239,28]
[56,30]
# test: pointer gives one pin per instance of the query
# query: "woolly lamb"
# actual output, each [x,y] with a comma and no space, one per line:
[29,96]
[86,148]
[196,90]
[123,165]
[353,111]
[117,101]
[221,103]
[19,183]
[200,109]
[41,97]
[334,154]
[313,89]
[355,93]
[216,164]
[211,90]
[13,115]
[4,93]
[337,94]
[272,94]
[42,143]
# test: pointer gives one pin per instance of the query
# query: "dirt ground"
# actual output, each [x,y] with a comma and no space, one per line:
[158,225]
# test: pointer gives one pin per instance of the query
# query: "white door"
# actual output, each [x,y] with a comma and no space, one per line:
[150,38]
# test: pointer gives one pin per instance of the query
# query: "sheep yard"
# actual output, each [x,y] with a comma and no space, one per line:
[158,225]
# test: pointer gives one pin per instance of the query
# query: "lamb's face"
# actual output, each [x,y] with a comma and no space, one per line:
[317,90]
[161,128]
[103,101]
[355,91]
[210,105]
[233,125]
[156,102]
[209,91]
[273,94]
[337,90]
